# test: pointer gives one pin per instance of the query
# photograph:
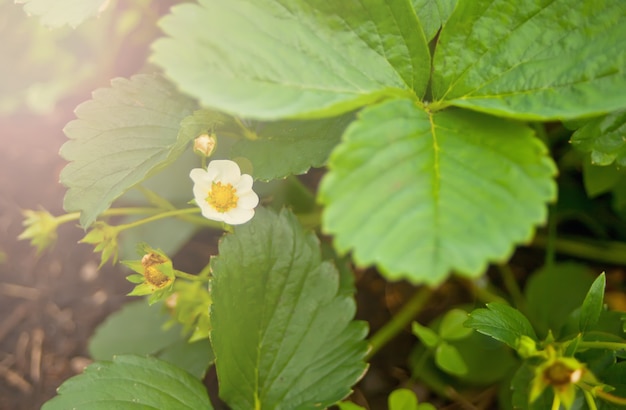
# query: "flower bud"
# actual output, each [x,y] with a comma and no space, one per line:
[205,144]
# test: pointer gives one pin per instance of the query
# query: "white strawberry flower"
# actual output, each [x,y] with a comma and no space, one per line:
[223,193]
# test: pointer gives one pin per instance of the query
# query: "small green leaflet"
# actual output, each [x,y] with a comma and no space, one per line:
[537,60]
[604,137]
[440,192]
[131,383]
[592,305]
[57,13]
[122,136]
[283,334]
[294,58]
[501,322]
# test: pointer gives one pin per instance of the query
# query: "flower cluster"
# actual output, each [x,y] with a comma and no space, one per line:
[223,193]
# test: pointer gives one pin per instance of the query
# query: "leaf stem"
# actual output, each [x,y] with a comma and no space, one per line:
[250,135]
[599,251]
[485,295]
[399,320]
[188,276]
[510,283]
[551,240]
[175,212]
[74,216]
[611,398]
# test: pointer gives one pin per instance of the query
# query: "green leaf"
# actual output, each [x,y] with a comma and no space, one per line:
[402,399]
[123,135]
[549,303]
[446,191]
[449,359]
[293,58]
[478,349]
[452,325]
[282,332]
[601,179]
[593,304]
[137,328]
[433,14]
[428,336]
[57,13]
[195,357]
[291,147]
[502,323]
[540,60]
[603,137]
[130,383]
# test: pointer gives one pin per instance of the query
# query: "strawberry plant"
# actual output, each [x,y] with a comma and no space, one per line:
[440,129]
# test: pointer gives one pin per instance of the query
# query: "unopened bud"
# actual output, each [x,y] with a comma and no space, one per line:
[204,145]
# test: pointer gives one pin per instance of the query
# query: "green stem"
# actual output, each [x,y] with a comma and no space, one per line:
[206,271]
[591,403]
[175,212]
[74,216]
[484,294]
[600,251]
[511,286]
[203,162]
[556,403]
[611,398]
[188,276]
[399,321]
[250,135]
[602,345]
[551,240]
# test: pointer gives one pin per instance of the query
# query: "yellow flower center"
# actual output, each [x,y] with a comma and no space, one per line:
[559,374]
[155,278]
[222,197]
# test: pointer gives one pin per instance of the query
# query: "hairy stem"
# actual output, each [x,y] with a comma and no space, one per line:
[511,286]
[600,251]
[399,321]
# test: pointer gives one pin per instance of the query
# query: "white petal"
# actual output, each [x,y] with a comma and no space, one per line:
[210,213]
[197,174]
[227,171]
[248,200]
[244,184]
[238,216]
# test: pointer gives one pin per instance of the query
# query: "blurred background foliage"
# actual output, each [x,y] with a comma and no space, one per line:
[42,66]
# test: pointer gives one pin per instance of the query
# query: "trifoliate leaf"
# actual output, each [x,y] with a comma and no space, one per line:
[604,138]
[502,323]
[283,334]
[541,60]
[122,136]
[285,148]
[432,14]
[57,13]
[293,58]
[130,383]
[593,304]
[421,194]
